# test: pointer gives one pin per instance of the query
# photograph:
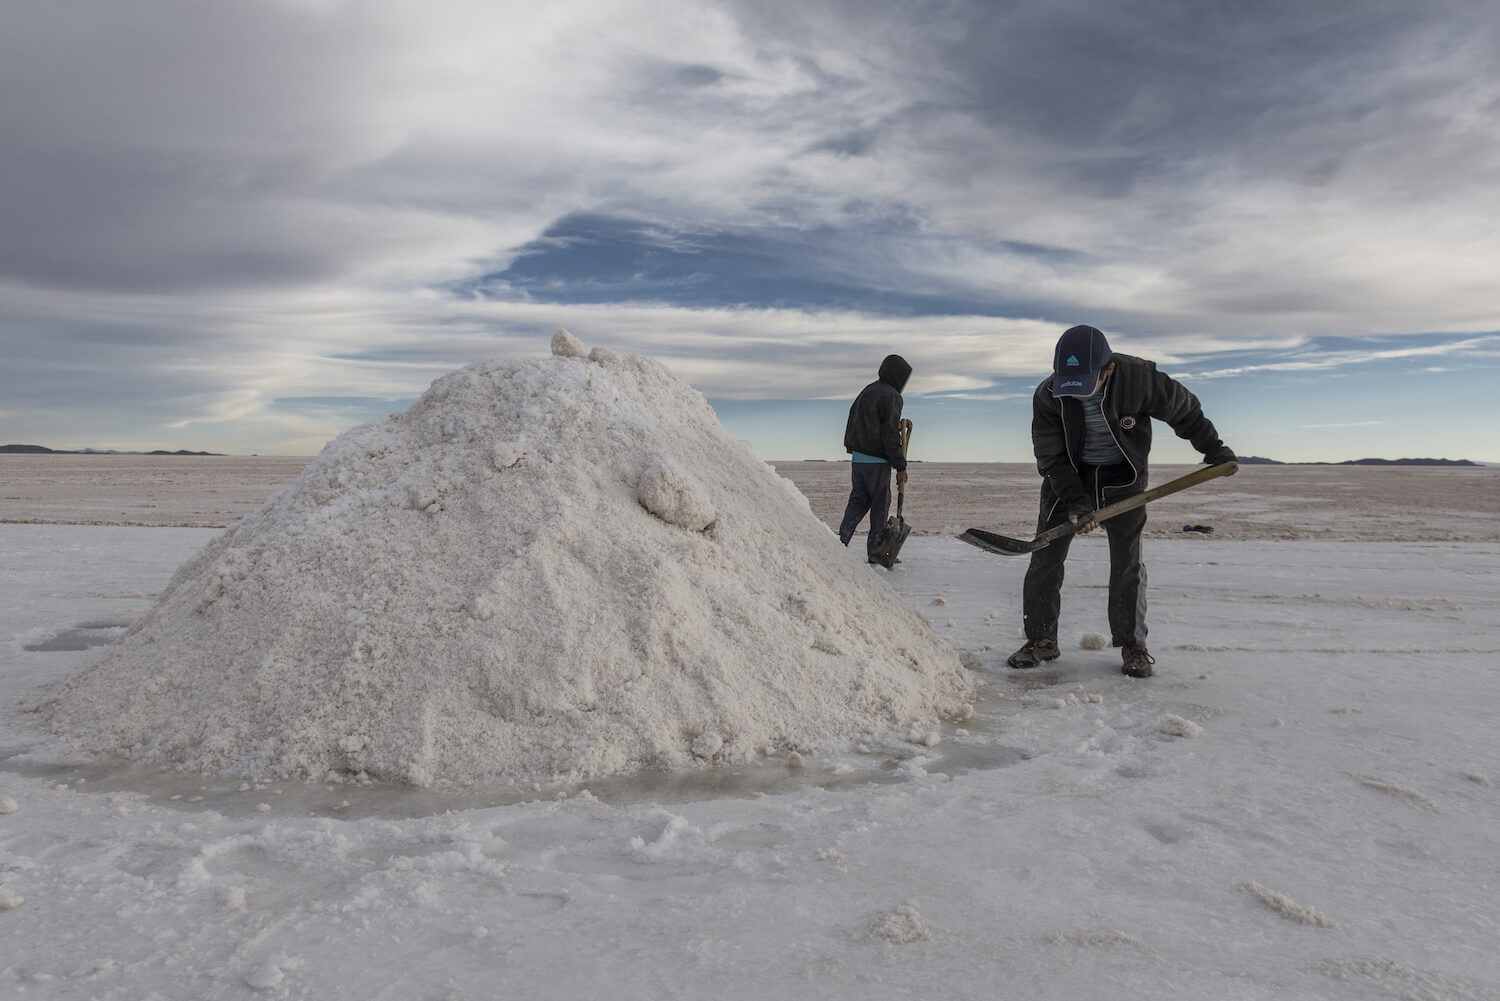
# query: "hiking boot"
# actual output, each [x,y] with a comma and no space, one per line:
[1033,653]
[1136,661]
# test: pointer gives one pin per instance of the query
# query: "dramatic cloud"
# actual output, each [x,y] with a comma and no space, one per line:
[253,223]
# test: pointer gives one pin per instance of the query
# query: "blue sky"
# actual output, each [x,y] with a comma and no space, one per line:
[245,227]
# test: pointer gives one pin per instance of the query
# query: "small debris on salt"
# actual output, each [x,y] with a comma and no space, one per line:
[903,925]
[1176,726]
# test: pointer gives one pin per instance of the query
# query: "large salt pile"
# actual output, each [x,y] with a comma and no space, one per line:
[548,569]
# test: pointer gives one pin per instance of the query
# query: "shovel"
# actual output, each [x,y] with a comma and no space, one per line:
[896,528]
[996,543]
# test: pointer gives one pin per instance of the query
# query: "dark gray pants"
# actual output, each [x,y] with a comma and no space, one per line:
[1041,593]
[870,492]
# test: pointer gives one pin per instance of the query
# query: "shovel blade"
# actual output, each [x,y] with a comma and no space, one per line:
[1000,543]
[896,531]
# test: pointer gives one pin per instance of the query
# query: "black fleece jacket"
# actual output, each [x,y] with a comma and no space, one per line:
[1134,394]
[875,416]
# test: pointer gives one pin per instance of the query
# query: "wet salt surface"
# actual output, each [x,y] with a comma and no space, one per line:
[972,747]
[234,797]
[1112,856]
[81,637]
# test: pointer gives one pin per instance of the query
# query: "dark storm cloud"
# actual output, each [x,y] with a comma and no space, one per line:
[134,221]
[161,144]
[1185,75]
[1103,95]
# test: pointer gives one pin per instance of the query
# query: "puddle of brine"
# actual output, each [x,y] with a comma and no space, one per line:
[238,797]
[83,637]
[972,747]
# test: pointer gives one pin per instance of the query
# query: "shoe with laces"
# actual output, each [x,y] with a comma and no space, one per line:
[1136,661]
[1033,653]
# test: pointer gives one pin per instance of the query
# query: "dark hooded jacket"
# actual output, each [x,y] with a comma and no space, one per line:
[875,415]
[1134,395]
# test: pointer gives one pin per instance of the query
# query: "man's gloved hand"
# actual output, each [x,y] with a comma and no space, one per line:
[1084,520]
[1220,455]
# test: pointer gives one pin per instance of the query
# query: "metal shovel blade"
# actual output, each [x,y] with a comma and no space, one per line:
[896,531]
[896,528]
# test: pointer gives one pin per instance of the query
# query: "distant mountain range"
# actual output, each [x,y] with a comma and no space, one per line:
[1245,460]
[44,450]
[1256,460]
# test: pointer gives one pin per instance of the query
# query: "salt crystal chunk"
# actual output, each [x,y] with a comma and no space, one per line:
[904,925]
[565,345]
[505,454]
[707,744]
[264,977]
[1177,726]
[675,497]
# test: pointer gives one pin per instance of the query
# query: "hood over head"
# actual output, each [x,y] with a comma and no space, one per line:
[894,371]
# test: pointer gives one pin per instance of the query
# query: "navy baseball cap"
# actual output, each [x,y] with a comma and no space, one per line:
[1082,352]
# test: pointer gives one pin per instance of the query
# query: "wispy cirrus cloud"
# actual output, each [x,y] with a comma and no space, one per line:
[1318,360]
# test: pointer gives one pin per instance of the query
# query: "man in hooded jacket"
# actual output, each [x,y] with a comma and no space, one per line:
[1091,434]
[872,437]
